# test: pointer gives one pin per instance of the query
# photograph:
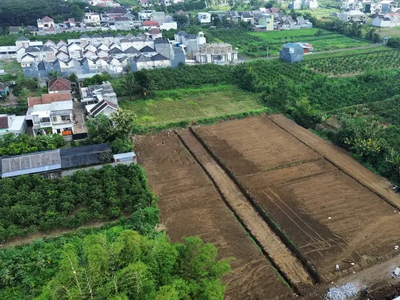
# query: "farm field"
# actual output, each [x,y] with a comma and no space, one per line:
[256,44]
[356,63]
[191,105]
[190,205]
[311,191]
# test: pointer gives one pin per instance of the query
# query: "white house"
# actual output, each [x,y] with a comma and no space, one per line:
[46,24]
[103,107]
[204,17]
[216,52]
[12,124]
[353,16]
[92,19]
[51,113]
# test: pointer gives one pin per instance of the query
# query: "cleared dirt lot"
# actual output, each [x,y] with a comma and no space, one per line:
[190,205]
[330,217]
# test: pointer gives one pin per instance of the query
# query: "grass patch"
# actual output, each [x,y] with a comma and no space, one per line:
[10,66]
[191,105]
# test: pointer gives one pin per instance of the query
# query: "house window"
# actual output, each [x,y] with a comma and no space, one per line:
[54,118]
[66,118]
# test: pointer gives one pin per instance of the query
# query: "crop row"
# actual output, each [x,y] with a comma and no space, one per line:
[356,63]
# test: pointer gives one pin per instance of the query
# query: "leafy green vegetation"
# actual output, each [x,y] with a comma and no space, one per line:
[131,266]
[25,270]
[256,44]
[35,203]
[357,63]
[11,144]
[191,104]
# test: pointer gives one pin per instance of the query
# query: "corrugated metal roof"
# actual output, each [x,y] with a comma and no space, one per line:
[30,163]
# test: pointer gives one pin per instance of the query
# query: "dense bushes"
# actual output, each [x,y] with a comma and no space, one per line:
[30,203]
[183,76]
[131,266]
[21,144]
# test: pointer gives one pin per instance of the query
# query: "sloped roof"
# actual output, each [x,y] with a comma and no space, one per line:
[118,10]
[30,163]
[22,38]
[59,84]
[101,106]
[3,122]
[49,98]
[146,49]
[141,58]
[154,31]
[115,51]
[150,23]
[158,56]
[160,41]
[47,19]
[132,50]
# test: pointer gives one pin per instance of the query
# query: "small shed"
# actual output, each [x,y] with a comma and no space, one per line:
[77,157]
[291,53]
[122,157]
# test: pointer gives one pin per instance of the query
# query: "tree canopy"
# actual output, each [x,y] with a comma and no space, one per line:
[132,266]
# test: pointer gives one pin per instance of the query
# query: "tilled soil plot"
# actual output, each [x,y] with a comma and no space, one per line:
[329,217]
[190,205]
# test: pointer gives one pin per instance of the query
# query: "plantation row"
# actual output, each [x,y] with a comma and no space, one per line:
[350,64]
[35,203]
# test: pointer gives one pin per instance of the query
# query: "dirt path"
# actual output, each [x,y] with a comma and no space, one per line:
[271,243]
[378,185]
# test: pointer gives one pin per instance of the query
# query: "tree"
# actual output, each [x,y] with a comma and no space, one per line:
[100,129]
[129,84]
[132,266]
[182,21]
[124,122]
[145,83]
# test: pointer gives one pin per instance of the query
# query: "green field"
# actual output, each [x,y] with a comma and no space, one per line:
[191,105]
[261,44]
[385,59]
[321,13]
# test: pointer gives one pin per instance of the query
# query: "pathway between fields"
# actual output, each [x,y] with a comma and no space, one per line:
[285,261]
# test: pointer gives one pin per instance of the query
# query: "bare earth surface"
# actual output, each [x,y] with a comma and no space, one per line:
[190,205]
[329,216]
[284,259]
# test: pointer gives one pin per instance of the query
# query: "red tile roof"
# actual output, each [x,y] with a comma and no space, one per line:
[57,84]
[154,31]
[47,19]
[4,122]
[48,98]
[150,23]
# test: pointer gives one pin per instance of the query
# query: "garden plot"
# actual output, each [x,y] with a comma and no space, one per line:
[190,205]
[326,213]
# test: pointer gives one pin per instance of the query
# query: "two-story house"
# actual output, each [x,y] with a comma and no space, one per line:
[51,114]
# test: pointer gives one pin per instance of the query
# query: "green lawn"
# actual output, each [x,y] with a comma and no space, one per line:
[320,13]
[191,105]
[259,44]
[323,42]
[10,66]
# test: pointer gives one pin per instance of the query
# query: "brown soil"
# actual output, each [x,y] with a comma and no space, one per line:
[270,242]
[330,217]
[190,205]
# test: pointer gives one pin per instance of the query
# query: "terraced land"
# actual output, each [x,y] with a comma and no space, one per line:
[330,208]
